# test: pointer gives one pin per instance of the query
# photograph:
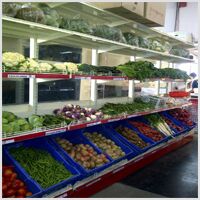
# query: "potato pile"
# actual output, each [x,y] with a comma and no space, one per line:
[83,154]
[132,136]
[106,145]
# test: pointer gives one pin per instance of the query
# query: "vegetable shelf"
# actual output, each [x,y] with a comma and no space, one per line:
[25,29]
[75,76]
[50,131]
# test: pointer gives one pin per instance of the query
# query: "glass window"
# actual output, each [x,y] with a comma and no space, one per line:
[15,91]
[109,89]
[58,53]
[58,90]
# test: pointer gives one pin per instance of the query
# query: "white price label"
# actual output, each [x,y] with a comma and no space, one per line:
[113,120]
[117,170]
[55,131]
[140,158]
[63,195]
[93,182]
[8,141]
[82,78]
[118,79]
[130,116]
[93,124]
[20,76]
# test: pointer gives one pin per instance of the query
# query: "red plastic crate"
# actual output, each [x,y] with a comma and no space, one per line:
[179,94]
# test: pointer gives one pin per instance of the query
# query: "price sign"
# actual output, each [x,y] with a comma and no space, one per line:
[113,120]
[8,141]
[55,131]
[118,79]
[93,124]
[82,77]
[20,76]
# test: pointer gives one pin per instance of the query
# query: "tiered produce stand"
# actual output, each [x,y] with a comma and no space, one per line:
[84,182]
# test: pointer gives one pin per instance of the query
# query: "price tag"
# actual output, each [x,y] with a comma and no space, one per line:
[55,131]
[140,158]
[8,141]
[118,79]
[93,124]
[20,76]
[93,182]
[63,195]
[132,116]
[153,152]
[117,170]
[113,120]
[82,77]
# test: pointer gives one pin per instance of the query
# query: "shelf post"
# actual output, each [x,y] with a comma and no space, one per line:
[131,84]
[131,89]
[158,82]
[95,61]
[33,85]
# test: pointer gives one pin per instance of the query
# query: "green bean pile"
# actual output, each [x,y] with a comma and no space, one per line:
[41,166]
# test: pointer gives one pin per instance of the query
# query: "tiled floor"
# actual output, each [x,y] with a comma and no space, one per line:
[174,175]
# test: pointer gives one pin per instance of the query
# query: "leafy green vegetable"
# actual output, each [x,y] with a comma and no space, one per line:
[115,109]
[109,33]
[4,121]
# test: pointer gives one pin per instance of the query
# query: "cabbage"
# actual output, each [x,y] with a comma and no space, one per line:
[36,121]
[9,116]
[25,127]
[21,121]
[7,128]
[15,126]
[4,121]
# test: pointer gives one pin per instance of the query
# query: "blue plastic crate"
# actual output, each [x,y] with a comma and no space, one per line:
[32,186]
[41,143]
[142,119]
[130,153]
[183,124]
[176,122]
[76,137]
[124,140]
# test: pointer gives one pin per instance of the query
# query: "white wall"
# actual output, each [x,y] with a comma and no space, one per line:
[188,19]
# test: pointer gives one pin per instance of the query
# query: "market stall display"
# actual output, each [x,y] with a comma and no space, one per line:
[75,148]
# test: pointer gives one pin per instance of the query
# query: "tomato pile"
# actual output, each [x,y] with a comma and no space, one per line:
[13,187]
[172,125]
[147,130]
[182,115]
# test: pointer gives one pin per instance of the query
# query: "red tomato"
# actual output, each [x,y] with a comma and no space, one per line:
[7,173]
[16,184]
[13,176]
[9,184]
[28,194]
[21,184]
[4,188]
[20,196]
[9,192]
[21,191]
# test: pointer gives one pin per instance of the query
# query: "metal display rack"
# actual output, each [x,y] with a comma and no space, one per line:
[38,33]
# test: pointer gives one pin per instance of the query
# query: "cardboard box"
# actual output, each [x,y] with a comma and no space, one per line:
[126,9]
[155,13]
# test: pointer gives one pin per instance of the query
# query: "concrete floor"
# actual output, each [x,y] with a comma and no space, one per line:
[175,175]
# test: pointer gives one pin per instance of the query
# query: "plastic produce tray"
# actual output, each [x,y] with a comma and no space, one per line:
[142,119]
[76,137]
[130,153]
[183,124]
[31,185]
[114,125]
[43,144]
[176,122]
